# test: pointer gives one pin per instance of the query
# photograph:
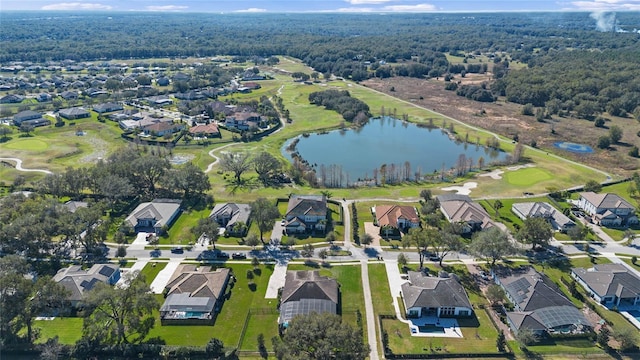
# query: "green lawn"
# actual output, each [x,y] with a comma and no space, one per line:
[151,270]
[68,330]
[527,177]
[180,231]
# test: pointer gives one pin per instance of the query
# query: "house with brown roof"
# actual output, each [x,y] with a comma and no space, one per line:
[194,295]
[205,130]
[305,292]
[395,219]
[306,213]
[162,128]
[612,285]
[607,209]
[430,296]
[461,209]
[244,120]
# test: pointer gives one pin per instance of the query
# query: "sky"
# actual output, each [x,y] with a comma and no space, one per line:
[257,6]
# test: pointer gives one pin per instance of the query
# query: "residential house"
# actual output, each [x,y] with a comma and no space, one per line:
[251,85]
[72,206]
[608,209]
[69,95]
[612,285]
[556,219]
[180,76]
[11,99]
[162,128]
[305,292]
[539,305]
[227,215]
[306,213]
[74,113]
[207,130]
[461,209]
[154,216]
[78,281]
[194,295]
[249,75]
[394,219]
[163,81]
[431,296]
[244,120]
[107,107]
[190,95]
[221,107]
[31,118]
[43,97]
[160,100]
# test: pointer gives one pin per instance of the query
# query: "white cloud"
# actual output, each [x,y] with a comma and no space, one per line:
[252,10]
[607,5]
[166,7]
[410,8]
[77,6]
[361,2]
[353,10]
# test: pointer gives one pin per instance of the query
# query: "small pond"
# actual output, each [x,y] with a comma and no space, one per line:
[354,156]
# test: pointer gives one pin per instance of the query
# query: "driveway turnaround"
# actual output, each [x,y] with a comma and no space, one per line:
[158,284]
[276,281]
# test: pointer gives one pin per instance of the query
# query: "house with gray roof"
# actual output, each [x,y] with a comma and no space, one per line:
[107,107]
[462,210]
[539,305]
[31,118]
[227,215]
[73,206]
[74,113]
[556,219]
[78,281]
[154,216]
[306,213]
[612,285]
[194,295]
[608,209]
[305,292]
[428,296]
[11,99]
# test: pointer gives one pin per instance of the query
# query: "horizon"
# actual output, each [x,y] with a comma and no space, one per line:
[313,6]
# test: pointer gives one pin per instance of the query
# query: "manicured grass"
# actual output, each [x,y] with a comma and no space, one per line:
[68,330]
[151,270]
[180,231]
[28,144]
[379,283]
[265,324]
[527,176]
[479,336]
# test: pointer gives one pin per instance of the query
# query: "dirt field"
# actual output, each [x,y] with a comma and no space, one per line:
[506,119]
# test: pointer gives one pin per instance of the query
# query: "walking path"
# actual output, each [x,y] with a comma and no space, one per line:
[217,159]
[276,281]
[368,305]
[20,168]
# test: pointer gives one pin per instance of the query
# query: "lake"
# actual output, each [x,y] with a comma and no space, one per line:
[354,156]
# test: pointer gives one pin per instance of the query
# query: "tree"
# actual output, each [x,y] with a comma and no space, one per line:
[526,337]
[4,132]
[599,122]
[307,250]
[366,239]
[419,238]
[497,205]
[634,152]
[593,186]
[323,254]
[535,231]
[491,244]
[495,294]
[577,232]
[602,338]
[264,213]
[403,260]
[189,179]
[331,237]
[121,251]
[207,227]
[26,129]
[425,194]
[252,240]
[320,336]
[501,342]
[626,337]
[148,169]
[604,142]
[444,242]
[120,314]
[266,166]
[237,163]
[215,348]
[615,133]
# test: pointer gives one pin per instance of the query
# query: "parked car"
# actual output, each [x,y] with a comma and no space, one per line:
[177,250]
[212,255]
[238,255]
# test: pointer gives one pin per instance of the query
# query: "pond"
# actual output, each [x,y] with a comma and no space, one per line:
[349,157]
